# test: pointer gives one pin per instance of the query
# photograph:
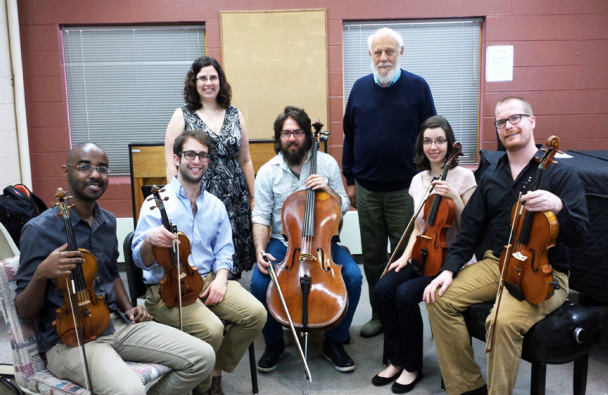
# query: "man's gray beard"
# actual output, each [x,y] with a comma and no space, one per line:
[390,76]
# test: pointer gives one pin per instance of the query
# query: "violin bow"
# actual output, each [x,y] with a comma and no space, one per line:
[273,277]
[64,208]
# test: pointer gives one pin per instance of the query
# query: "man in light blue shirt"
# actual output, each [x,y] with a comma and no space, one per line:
[203,219]
[288,172]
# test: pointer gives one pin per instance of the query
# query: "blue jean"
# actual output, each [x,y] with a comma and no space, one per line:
[273,332]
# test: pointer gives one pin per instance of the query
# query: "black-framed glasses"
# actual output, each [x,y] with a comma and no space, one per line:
[86,168]
[439,141]
[295,133]
[190,155]
[204,78]
[515,118]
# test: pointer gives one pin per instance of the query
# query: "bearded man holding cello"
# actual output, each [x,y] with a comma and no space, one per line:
[203,219]
[560,196]
[130,333]
[277,180]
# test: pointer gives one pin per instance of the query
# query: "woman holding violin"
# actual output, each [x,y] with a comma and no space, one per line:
[509,183]
[121,333]
[399,292]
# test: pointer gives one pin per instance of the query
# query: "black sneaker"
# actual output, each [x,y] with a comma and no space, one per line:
[271,356]
[336,354]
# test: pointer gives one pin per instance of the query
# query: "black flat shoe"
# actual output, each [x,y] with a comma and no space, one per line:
[380,381]
[403,388]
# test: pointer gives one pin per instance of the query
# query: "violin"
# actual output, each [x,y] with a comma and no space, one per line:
[307,275]
[182,284]
[524,267]
[84,315]
[430,247]
[524,264]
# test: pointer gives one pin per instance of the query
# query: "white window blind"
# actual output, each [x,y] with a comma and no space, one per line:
[445,53]
[125,82]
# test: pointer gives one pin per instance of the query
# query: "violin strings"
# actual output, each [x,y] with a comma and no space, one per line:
[77,273]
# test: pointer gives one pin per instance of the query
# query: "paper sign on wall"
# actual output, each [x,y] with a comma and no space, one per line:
[499,63]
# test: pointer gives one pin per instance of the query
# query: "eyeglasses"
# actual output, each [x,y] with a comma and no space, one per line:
[101,169]
[295,133]
[204,78]
[190,155]
[515,118]
[439,141]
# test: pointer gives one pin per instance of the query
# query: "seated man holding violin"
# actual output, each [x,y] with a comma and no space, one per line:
[113,330]
[289,173]
[202,222]
[553,197]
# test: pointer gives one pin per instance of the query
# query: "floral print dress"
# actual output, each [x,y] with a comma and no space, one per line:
[225,179]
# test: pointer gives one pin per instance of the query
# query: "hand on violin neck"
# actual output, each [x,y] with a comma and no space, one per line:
[541,200]
[59,263]
[160,237]
[444,189]
[316,182]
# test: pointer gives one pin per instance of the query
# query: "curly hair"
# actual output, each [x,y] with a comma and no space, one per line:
[191,96]
[436,121]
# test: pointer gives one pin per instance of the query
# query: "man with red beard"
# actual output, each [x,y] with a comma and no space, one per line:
[489,211]
[130,334]
[288,172]
[384,112]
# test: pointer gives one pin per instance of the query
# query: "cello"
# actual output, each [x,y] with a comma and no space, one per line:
[430,248]
[307,275]
[84,315]
[182,284]
[524,267]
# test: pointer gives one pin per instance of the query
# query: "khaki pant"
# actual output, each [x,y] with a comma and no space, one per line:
[191,359]
[474,284]
[238,307]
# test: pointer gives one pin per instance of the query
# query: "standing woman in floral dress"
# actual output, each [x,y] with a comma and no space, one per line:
[230,174]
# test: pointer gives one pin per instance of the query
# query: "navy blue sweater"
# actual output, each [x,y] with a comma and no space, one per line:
[380,130]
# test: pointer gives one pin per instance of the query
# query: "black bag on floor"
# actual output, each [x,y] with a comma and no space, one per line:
[17,206]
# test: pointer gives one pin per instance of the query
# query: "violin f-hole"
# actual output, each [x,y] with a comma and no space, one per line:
[296,252]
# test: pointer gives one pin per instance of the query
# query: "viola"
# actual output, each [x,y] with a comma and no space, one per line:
[524,267]
[84,315]
[182,284]
[524,264]
[312,283]
[430,247]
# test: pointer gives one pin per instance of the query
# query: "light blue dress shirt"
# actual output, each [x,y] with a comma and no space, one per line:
[275,182]
[209,232]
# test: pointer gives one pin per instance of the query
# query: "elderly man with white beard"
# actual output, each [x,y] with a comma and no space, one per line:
[384,112]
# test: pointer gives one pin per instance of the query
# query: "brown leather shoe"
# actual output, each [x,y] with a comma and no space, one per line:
[216,386]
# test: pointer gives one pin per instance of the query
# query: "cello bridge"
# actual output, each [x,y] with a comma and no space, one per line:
[519,256]
[307,256]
